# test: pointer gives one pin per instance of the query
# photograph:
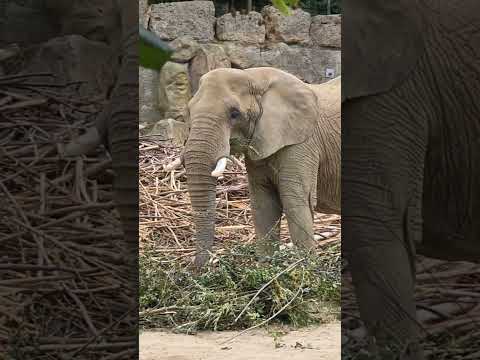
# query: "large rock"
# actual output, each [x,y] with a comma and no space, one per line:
[326,64]
[288,29]
[191,18]
[185,48]
[148,95]
[94,19]
[74,59]
[209,57]
[309,64]
[248,29]
[174,90]
[326,30]
[172,130]
[244,57]
[26,22]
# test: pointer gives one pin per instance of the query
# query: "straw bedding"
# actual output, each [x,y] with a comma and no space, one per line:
[62,285]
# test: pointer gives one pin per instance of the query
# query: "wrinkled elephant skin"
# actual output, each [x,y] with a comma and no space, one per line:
[410,167]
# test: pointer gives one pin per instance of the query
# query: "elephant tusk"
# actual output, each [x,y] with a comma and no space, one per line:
[220,168]
[84,144]
[177,163]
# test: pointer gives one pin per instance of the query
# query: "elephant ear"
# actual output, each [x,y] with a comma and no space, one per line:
[288,115]
[381,43]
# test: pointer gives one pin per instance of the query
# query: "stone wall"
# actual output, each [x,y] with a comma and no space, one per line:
[304,45]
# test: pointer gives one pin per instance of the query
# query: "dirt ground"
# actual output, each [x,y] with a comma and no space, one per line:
[318,343]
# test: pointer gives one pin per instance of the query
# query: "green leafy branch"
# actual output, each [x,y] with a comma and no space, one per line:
[153,51]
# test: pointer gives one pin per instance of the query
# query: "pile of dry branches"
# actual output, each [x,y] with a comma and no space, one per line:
[165,212]
[62,288]
[447,296]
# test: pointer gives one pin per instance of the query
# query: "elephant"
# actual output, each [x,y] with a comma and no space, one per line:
[117,125]
[289,132]
[410,145]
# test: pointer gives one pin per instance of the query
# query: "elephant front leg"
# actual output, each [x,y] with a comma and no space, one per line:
[299,216]
[267,213]
[382,180]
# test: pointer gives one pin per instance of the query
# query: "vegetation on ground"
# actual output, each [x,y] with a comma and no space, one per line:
[238,290]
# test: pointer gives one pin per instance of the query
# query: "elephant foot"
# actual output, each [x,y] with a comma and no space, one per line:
[84,144]
[200,261]
[383,350]
[265,249]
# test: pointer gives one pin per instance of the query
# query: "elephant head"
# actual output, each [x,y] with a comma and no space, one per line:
[256,112]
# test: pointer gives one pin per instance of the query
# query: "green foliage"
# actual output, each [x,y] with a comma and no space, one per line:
[173,296]
[282,6]
[153,51]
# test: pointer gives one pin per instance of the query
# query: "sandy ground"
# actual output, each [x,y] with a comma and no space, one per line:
[319,343]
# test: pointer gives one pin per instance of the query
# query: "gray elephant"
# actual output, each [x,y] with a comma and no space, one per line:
[410,146]
[117,125]
[289,132]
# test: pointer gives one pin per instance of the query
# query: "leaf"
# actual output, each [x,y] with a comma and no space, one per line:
[292,3]
[281,6]
[153,51]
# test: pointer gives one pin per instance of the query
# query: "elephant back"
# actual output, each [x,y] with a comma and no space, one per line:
[380,44]
[329,95]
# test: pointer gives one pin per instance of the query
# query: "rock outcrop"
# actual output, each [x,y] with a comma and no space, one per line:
[291,29]
[74,58]
[326,30]
[192,18]
[209,57]
[185,48]
[174,90]
[247,29]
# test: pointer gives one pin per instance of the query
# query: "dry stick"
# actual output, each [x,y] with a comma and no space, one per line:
[121,355]
[89,172]
[23,104]
[271,317]
[43,195]
[83,310]
[160,311]
[103,346]
[93,338]
[28,267]
[84,207]
[5,100]
[32,172]
[174,236]
[15,95]
[290,267]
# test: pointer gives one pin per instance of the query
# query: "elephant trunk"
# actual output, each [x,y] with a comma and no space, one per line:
[200,162]
[123,143]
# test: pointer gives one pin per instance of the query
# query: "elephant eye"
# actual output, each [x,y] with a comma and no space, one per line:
[235,114]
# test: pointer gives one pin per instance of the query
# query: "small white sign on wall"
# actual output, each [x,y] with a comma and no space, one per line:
[329,73]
